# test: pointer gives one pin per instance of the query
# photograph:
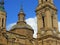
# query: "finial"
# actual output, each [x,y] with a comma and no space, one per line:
[21,9]
[1,2]
[2,5]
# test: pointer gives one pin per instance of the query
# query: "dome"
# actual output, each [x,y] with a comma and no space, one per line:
[22,26]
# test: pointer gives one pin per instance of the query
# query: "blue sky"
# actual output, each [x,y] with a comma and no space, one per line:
[12,8]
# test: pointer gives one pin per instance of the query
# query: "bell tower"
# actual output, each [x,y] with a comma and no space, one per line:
[46,18]
[2,15]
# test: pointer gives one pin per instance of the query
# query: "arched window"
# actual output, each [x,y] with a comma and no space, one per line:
[46,0]
[2,22]
[41,1]
[43,21]
[52,20]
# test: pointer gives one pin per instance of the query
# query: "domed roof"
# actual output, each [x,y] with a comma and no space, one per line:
[22,26]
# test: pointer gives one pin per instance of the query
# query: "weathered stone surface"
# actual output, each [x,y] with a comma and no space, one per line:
[22,33]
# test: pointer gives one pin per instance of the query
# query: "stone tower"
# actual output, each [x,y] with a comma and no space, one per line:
[2,23]
[2,15]
[46,16]
[47,23]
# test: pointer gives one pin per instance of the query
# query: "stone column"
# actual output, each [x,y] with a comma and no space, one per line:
[55,22]
[39,24]
[48,19]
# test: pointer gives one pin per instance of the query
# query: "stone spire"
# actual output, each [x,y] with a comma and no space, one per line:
[21,16]
[2,5]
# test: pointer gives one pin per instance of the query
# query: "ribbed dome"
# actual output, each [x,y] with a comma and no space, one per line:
[22,26]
